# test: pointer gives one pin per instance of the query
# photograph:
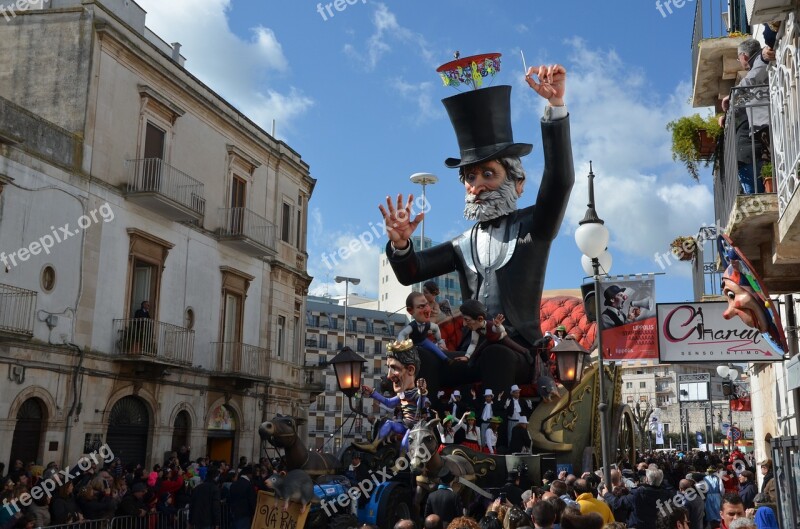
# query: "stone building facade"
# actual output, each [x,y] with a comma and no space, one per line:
[125,179]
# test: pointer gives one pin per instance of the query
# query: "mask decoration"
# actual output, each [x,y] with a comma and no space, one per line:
[747,297]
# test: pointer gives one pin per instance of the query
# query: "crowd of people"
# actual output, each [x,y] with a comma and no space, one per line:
[662,491]
[182,491]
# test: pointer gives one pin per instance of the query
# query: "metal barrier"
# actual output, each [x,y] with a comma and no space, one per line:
[236,357]
[157,520]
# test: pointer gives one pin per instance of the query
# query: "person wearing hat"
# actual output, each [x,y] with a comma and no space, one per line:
[613,315]
[448,428]
[488,409]
[473,437]
[768,481]
[520,438]
[443,501]
[516,409]
[133,504]
[502,259]
[456,407]
[490,440]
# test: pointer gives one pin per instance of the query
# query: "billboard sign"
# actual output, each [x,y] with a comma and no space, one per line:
[698,332]
[627,319]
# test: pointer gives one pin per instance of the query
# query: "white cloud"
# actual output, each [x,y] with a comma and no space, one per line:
[234,67]
[351,251]
[422,94]
[387,31]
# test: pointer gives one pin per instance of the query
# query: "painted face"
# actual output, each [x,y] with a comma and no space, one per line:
[421,311]
[402,377]
[472,323]
[731,512]
[489,193]
[745,305]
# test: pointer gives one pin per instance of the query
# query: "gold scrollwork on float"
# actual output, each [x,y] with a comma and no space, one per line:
[482,464]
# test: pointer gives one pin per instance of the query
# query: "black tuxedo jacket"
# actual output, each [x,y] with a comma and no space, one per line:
[529,233]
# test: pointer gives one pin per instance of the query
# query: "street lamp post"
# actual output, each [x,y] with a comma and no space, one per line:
[729,374]
[346,281]
[592,240]
[424,179]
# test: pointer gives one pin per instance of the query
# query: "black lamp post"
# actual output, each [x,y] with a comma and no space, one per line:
[348,366]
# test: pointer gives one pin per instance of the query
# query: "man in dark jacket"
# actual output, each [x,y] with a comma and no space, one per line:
[242,500]
[133,504]
[443,501]
[508,277]
[644,501]
[204,507]
[693,502]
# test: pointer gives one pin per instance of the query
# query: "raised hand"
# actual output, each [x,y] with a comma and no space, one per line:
[552,82]
[397,218]
[366,390]
[499,319]
[422,386]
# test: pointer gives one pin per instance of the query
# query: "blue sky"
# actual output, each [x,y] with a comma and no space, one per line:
[358,97]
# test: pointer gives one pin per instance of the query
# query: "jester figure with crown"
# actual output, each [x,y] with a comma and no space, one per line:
[502,258]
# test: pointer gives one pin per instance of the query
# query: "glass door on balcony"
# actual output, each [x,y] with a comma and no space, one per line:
[153,156]
[238,198]
[232,333]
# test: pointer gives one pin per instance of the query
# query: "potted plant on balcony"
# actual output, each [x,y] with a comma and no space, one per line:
[694,139]
[684,248]
[766,176]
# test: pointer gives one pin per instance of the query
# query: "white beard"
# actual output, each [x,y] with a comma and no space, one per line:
[493,204]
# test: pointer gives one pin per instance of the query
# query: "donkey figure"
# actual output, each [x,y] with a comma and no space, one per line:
[281,432]
[426,463]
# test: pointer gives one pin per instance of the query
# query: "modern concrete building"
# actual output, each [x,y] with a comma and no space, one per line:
[368,333]
[126,180]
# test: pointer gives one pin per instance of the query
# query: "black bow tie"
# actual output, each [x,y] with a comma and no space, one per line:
[494,223]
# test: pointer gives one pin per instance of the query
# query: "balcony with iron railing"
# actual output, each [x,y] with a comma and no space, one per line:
[247,231]
[750,219]
[171,193]
[784,80]
[17,310]
[241,360]
[151,340]
[715,66]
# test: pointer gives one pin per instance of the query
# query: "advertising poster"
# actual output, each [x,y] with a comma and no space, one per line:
[627,319]
[700,332]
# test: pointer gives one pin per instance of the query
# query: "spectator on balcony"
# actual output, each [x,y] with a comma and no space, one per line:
[751,123]
[144,311]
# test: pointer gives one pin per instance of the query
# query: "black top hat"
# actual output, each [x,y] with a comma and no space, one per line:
[482,122]
[610,292]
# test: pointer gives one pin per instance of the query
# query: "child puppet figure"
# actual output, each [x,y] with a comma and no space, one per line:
[486,332]
[421,326]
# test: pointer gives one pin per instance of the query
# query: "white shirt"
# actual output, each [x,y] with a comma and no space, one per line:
[488,413]
[517,410]
[491,440]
